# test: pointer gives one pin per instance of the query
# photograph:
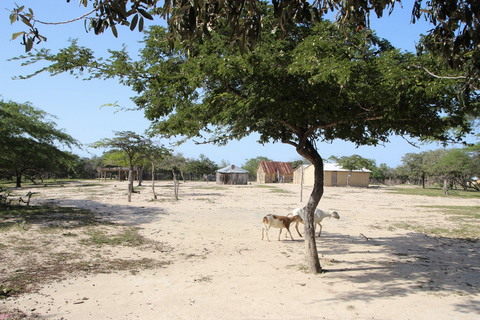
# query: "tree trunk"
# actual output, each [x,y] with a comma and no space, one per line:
[153,181]
[311,255]
[445,188]
[423,180]
[130,184]
[19,180]
[175,186]
[140,176]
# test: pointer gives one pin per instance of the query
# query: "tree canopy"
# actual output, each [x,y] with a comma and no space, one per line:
[30,141]
[454,35]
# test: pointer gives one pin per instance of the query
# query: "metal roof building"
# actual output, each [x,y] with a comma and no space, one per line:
[273,171]
[232,175]
[334,175]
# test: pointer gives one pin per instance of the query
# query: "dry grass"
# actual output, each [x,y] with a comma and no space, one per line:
[31,237]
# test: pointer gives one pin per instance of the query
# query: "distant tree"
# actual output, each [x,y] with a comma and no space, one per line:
[413,165]
[388,172]
[354,162]
[224,163]
[381,172]
[332,159]
[155,154]
[251,165]
[430,161]
[75,168]
[297,163]
[29,141]
[458,161]
[84,168]
[95,163]
[201,166]
[129,145]
[175,163]
[459,165]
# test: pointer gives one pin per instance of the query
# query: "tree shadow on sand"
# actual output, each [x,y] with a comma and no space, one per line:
[124,214]
[403,265]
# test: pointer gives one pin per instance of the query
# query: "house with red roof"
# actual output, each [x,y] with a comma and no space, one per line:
[274,172]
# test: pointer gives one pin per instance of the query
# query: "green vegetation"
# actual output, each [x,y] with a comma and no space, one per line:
[434,192]
[273,189]
[209,188]
[126,236]
[462,223]
[30,142]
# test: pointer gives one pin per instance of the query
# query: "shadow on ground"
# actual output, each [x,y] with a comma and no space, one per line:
[403,265]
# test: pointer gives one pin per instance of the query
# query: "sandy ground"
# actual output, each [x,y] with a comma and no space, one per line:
[220,268]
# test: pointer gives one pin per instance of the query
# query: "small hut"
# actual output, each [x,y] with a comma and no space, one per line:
[273,171]
[232,175]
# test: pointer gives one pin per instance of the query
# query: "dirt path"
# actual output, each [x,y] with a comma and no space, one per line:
[220,269]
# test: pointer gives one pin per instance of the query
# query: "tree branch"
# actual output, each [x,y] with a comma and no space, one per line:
[440,77]
[68,21]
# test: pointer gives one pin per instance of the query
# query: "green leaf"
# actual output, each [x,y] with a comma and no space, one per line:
[145,14]
[26,21]
[17,34]
[13,18]
[114,30]
[29,44]
[133,24]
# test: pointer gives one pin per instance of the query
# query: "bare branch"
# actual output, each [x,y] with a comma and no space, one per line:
[440,77]
[65,22]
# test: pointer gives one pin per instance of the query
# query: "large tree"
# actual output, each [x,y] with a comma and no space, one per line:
[310,85]
[30,141]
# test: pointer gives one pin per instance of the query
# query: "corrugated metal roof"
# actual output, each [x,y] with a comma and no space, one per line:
[273,167]
[232,169]
[337,167]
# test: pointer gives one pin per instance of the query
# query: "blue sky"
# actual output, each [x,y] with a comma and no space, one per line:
[77,104]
